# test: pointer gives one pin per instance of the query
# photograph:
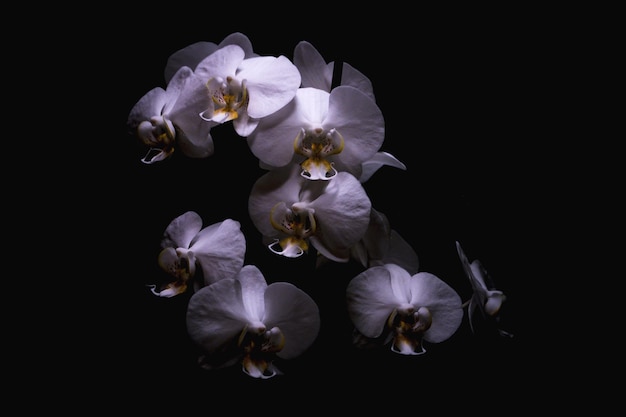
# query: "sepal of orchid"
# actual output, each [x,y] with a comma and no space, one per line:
[379,159]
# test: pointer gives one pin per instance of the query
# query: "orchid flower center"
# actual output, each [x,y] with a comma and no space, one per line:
[160,135]
[259,348]
[179,263]
[408,327]
[297,223]
[316,145]
[229,97]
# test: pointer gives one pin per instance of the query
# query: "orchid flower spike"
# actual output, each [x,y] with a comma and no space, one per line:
[388,305]
[214,252]
[243,319]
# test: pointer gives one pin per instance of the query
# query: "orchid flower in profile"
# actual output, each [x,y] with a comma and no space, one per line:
[325,133]
[164,119]
[243,319]
[212,253]
[245,90]
[292,212]
[485,297]
[192,55]
[388,305]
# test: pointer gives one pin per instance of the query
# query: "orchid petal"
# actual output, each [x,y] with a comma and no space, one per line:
[343,213]
[196,140]
[442,301]
[295,313]
[220,249]
[359,120]
[216,315]
[150,104]
[371,300]
[272,83]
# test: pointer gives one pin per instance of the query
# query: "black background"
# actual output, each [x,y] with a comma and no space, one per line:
[454,87]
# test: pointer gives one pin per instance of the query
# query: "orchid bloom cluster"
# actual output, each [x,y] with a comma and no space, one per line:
[318,136]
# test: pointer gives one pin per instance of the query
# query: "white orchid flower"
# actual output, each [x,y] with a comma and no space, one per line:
[244,319]
[324,132]
[218,250]
[388,304]
[164,119]
[291,212]
[317,73]
[245,90]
